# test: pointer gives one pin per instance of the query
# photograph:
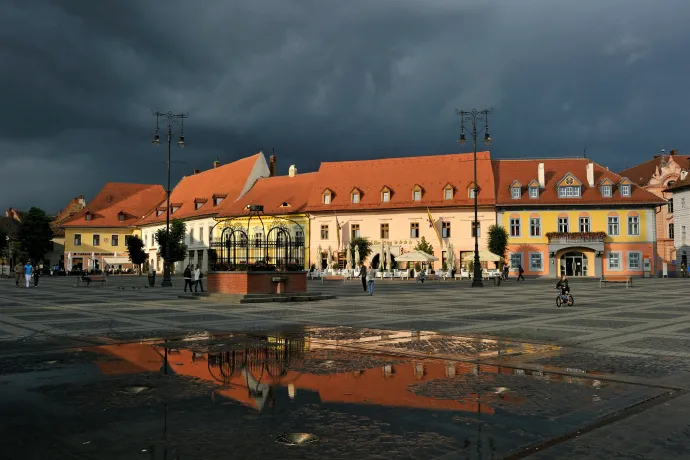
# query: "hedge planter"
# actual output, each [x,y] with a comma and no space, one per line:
[257,282]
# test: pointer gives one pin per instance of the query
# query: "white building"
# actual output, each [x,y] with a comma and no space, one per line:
[195,201]
[680,202]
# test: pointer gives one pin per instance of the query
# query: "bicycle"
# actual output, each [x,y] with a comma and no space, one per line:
[566,299]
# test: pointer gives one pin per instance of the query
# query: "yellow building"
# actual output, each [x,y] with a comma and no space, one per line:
[271,217]
[97,235]
[574,217]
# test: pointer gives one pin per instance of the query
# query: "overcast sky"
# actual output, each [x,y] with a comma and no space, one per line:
[328,80]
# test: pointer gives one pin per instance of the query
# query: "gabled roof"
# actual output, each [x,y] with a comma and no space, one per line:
[134,199]
[555,170]
[642,173]
[431,173]
[271,193]
[231,180]
[72,208]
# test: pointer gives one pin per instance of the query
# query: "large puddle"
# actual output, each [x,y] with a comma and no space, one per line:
[317,393]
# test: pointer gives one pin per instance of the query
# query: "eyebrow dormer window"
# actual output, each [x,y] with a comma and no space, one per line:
[625,190]
[515,193]
[606,191]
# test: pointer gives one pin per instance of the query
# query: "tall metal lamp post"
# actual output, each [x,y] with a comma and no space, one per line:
[474,116]
[169,118]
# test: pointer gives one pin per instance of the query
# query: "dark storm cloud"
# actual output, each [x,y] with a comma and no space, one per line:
[325,80]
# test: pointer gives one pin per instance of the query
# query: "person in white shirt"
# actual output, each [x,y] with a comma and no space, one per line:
[197,279]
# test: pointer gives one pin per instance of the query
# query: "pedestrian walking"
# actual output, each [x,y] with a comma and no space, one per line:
[28,271]
[370,280]
[18,273]
[188,278]
[506,271]
[363,274]
[520,272]
[37,275]
[198,274]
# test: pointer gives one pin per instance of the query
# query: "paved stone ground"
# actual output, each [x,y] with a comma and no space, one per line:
[641,334]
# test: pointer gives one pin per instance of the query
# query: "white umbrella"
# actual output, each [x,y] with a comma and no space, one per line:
[484,256]
[381,257]
[329,258]
[388,256]
[416,256]
[349,259]
[451,257]
[69,261]
[319,251]
[357,256]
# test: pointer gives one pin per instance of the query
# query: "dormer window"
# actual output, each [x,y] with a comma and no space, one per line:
[471,190]
[355,196]
[121,216]
[569,191]
[327,196]
[625,190]
[159,212]
[448,192]
[285,204]
[417,193]
[198,203]
[88,215]
[218,199]
[534,192]
[174,208]
[606,190]
[516,190]
[386,195]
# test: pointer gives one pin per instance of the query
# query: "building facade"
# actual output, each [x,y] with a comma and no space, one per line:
[398,201]
[656,176]
[96,236]
[56,257]
[574,217]
[196,200]
[680,198]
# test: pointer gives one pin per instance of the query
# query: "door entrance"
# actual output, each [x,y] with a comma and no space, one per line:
[574,264]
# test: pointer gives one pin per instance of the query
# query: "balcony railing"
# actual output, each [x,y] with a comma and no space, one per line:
[589,237]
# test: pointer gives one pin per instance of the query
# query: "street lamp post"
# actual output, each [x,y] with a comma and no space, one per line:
[169,118]
[473,116]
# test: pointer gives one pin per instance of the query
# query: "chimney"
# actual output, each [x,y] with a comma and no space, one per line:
[590,174]
[674,152]
[81,201]
[542,181]
[683,174]
[292,171]
[216,163]
[272,164]
[196,171]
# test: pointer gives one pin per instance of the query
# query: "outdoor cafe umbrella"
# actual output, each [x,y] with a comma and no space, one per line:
[319,252]
[381,257]
[329,258]
[416,256]
[357,256]
[349,259]
[485,256]
[388,257]
[451,257]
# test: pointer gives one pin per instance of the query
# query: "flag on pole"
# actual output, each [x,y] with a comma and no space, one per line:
[431,225]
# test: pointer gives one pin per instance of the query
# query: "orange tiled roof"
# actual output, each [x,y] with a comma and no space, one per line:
[227,180]
[555,169]
[272,192]
[642,173]
[432,173]
[134,200]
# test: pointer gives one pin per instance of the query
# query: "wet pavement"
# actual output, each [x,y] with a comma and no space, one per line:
[336,393]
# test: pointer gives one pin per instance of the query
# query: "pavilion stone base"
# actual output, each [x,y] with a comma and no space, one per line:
[257,282]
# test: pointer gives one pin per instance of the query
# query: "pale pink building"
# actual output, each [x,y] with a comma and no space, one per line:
[391,200]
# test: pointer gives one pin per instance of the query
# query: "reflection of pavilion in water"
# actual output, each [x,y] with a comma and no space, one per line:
[255,374]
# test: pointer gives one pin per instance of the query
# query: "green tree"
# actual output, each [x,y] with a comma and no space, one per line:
[135,247]
[178,250]
[498,240]
[424,246]
[364,246]
[35,235]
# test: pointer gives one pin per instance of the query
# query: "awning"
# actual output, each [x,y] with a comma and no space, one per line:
[117,260]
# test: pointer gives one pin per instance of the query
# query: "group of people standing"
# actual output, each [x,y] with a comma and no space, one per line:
[28,272]
[192,278]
